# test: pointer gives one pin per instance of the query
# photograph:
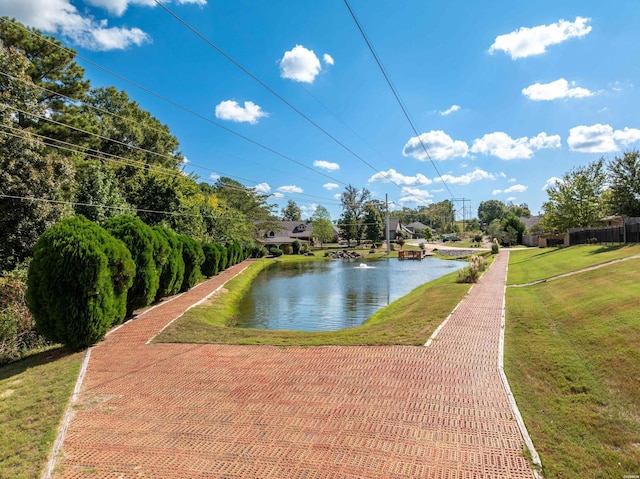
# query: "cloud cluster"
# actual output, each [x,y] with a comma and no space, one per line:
[232,111]
[290,189]
[415,195]
[400,179]
[302,65]
[526,42]
[436,145]
[501,145]
[476,175]
[331,186]
[511,189]
[452,109]
[262,188]
[326,165]
[555,90]
[600,138]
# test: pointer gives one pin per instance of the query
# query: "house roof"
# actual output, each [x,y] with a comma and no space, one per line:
[416,225]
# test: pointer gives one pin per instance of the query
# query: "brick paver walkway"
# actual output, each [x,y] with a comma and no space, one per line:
[210,411]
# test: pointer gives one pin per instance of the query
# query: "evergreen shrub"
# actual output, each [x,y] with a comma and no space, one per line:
[172,272]
[139,239]
[276,252]
[193,257]
[77,282]
[211,260]
[224,258]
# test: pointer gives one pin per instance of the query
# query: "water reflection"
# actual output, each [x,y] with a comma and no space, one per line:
[332,295]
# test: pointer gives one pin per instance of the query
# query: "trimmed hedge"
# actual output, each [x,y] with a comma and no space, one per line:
[139,239]
[224,258]
[77,282]
[172,273]
[211,259]
[193,257]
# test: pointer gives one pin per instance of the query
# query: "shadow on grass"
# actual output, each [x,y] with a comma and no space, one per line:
[38,359]
[608,248]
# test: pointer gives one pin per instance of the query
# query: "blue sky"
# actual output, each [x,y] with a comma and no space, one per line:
[507,96]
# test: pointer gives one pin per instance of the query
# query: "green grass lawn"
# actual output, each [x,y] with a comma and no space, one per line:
[534,264]
[572,356]
[34,393]
[409,320]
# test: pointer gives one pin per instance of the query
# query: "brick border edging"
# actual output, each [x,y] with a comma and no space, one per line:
[535,458]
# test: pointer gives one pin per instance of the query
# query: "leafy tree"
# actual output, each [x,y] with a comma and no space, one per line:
[96,184]
[521,211]
[322,226]
[291,212]
[353,209]
[624,185]
[508,230]
[296,246]
[374,224]
[139,239]
[78,282]
[491,210]
[576,201]
[26,170]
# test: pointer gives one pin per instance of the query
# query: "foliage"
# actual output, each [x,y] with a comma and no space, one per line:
[495,247]
[258,251]
[436,215]
[18,334]
[296,245]
[491,210]
[172,272]
[576,201]
[224,258]
[521,211]
[471,273]
[354,203]
[139,239]
[624,185]
[374,224]
[96,184]
[507,231]
[291,212]
[211,260]
[193,257]
[400,240]
[77,282]
[322,226]
[276,252]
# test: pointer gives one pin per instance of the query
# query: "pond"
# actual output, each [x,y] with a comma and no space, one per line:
[332,295]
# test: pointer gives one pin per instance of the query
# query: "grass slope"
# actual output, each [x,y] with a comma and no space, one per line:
[572,355]
[534,264]
[409,320]
[34,393]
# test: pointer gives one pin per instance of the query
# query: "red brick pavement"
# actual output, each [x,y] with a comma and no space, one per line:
[211,411]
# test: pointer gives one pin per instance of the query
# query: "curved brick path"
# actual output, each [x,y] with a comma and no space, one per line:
[207,411]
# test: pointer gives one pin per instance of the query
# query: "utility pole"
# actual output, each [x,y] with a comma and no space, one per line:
[463,210]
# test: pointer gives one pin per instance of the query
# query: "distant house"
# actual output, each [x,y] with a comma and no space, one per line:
[396,228]
[417,229]
[530,221]
[286,232]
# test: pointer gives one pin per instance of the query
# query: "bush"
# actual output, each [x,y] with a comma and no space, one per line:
[211,259]
[495,247]
[18,334]
[172,272]
[224,258]
[276,252]
[193,257]
[471,273]
[139,239]
[258,251]
[77,282]
[296,246]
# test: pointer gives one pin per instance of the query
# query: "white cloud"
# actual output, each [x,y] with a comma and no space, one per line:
[232,111]
[600,138]
[501,145]
[61,17]
[337,196]
[184,160]
[512,198]
[326,165]
[415,195]
[511,189]
[525,41]
[300,64]
[475,175]
[290,189]
[439,145]
[330,186]
[400,179]
[554,90]
[118,7]
[214,176]
[453,109]
[262,188]
[551,182]
[277,195]
[328,59]
[511,180]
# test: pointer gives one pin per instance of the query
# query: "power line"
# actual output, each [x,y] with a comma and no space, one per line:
[175,104]
[395,93]
[269,89]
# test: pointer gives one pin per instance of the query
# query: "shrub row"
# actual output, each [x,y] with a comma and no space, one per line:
[85,278]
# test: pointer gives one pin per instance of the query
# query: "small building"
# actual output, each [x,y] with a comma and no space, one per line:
[417,229]
[285,233]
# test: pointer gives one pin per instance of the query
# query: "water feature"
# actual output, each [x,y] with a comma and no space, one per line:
[332,295]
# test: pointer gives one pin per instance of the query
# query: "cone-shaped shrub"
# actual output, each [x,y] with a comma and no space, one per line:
[211,259]
[77,282]
[138,237]
[173,270]
[224,258]
[193,257]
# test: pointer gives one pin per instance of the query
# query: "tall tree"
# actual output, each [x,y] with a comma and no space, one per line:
[291,212]
[492,210]
[322,226]
[374,224]
[624,185]
[576,201]
[353,210]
